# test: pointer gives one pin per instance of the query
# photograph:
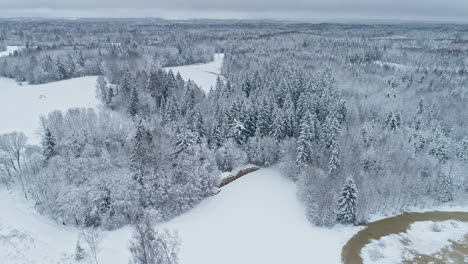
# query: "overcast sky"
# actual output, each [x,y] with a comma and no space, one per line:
[311,10]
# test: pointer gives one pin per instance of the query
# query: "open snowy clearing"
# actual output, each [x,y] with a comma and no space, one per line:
[10,49]
[256,219]
[204,75]
[22,105]
[422,238]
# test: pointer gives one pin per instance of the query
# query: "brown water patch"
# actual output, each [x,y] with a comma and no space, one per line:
[394,225]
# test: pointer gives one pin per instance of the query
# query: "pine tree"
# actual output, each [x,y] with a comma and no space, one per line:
[140,159]
[239,128]
[279,125]
[171,110]
[49,145]
[462,150]
[61,71]
[110,98]
[247,86]
[217,132]
[444,188]
[334,162]
[330,131]
[342,112]
[347,203]
[305,140]
[198,125]
[134,103]
[289,116]
[126,85]
[264,118]
[184,138]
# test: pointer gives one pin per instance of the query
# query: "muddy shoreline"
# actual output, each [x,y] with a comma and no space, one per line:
[351,253]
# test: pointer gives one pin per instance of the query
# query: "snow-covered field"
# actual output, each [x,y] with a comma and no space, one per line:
[256,219]
[426,237]
[204,75]
[10,49]
[22,105]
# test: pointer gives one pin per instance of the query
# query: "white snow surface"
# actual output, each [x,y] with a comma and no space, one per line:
[203,74]
[425,237]
[10,49]
[22,105]
[254,220]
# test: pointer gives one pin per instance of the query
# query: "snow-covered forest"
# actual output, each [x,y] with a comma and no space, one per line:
[365,119]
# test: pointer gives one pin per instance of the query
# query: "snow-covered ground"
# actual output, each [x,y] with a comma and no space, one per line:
[204,75]
[256,219]
[426,237]
[393,65]
[10,49]
[22,105]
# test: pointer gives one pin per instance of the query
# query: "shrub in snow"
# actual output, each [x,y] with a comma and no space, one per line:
[79,251]
[151,246]
[262,151]
[316,192]
[93,240]
[230,156]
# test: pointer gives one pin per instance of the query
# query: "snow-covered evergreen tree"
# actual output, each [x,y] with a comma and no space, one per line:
[140,159]
[264,117]
[184,138]
[334,162]
[347,203]
[444,188]
[134,103]
[305,140]
[49,145]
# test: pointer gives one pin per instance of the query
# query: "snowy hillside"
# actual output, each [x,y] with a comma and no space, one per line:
[248,221]
[204,75]
[22,105]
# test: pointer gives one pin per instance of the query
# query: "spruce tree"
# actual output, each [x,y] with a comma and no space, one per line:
[184,138]
[347,203]
[305,140]
[289,116]
[217,132]
[61,71]
[462,149]
[444,188]
[334,162]
[49,145]
[134,103]
[264,119]
[140,159]
[279,125]
[198,125]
